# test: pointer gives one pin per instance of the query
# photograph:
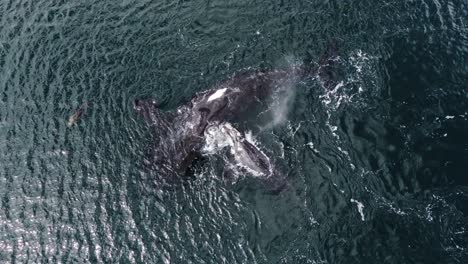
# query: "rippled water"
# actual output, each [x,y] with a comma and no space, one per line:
[376,163]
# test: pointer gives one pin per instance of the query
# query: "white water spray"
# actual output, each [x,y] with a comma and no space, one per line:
[283,98]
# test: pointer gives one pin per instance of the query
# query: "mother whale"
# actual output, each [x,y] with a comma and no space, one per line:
[179,135]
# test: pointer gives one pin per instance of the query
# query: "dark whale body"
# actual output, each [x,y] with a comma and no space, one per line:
[179,135]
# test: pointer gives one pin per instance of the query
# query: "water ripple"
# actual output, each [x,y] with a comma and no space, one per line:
[375,162]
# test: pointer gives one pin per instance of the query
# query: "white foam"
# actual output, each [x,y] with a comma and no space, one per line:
[360,207]
[250,137]
[58,152]
[217,94]
[312,146]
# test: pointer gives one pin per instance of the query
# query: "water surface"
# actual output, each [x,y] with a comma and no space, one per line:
[376,163]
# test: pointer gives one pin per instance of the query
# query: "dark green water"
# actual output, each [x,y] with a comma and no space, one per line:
[377,165]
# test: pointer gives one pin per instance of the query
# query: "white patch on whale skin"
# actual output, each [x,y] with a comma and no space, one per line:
[220,136]
[215,140]
[217,94]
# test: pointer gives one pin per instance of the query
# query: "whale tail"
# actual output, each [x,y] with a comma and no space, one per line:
[148,109]
[153,116]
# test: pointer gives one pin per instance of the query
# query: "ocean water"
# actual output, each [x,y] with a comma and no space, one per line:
[377,163]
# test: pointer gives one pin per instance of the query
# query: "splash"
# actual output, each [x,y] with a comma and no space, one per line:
[360,75]
[283,97]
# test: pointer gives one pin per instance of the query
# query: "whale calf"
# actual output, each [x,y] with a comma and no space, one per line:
[243,152]
[179,136]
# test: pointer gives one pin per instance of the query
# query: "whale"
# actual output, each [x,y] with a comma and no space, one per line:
[179,136]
